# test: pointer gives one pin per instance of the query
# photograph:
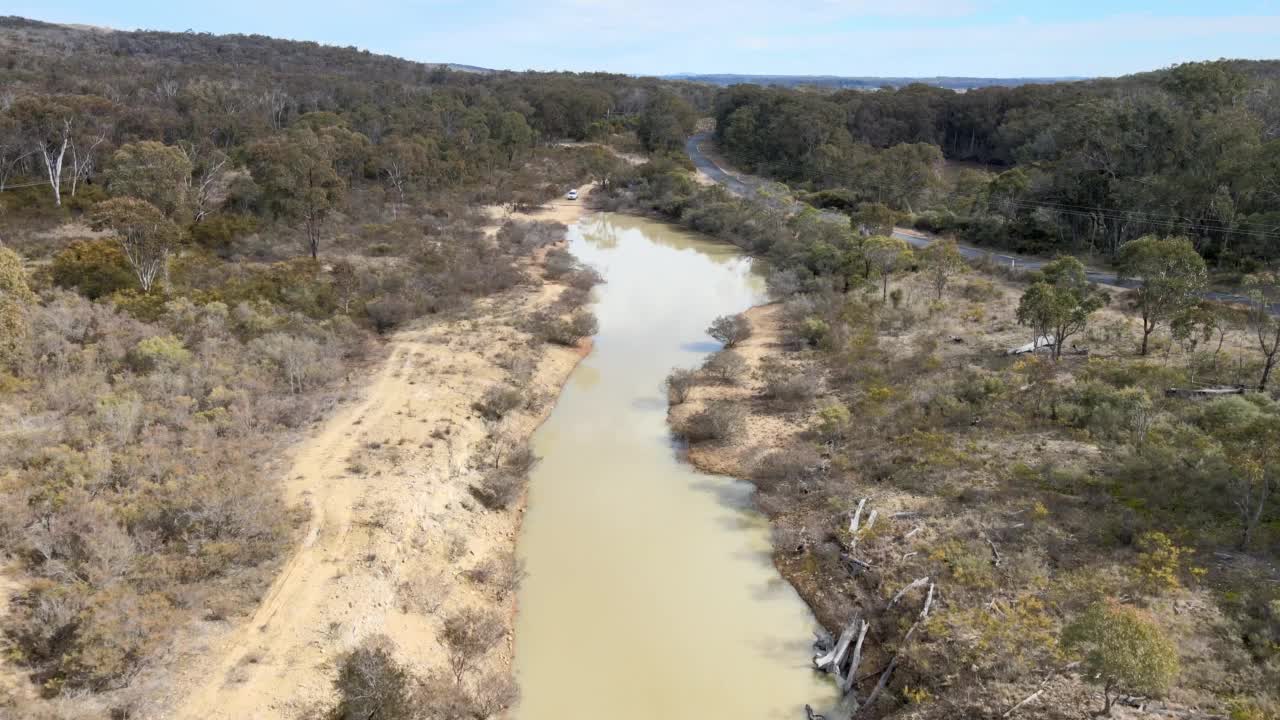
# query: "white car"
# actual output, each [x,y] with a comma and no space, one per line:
[573,195]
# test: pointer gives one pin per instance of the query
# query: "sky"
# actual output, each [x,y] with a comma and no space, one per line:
[914,38]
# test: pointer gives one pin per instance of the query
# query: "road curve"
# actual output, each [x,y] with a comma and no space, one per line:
[744,185]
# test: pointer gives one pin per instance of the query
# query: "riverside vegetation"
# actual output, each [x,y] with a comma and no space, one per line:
[1060,517]
[192,271]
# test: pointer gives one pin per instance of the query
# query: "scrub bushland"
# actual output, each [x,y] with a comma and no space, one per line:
[1049,503]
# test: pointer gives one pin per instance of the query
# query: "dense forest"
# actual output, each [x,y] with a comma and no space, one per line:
[1076,167]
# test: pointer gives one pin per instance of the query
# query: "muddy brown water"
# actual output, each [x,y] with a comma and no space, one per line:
[650,593]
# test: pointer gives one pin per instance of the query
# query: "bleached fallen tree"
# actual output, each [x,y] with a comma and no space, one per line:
[1044,342]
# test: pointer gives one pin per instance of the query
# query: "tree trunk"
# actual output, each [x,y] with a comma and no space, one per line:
[834,659]
[1266,371]
[54,167]
[1251,520]
[1147,329]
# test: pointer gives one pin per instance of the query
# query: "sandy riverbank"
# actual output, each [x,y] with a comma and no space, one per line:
[393,527]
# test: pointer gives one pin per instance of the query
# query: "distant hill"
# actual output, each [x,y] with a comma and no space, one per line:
[837,82]
[35,35]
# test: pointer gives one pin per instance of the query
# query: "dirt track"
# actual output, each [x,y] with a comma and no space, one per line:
[393,526]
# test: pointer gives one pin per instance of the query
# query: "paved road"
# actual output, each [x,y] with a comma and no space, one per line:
[745,185]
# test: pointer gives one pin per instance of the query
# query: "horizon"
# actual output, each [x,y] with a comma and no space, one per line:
[838,38]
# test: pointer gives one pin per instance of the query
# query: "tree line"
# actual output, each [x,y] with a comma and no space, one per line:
[1070,167]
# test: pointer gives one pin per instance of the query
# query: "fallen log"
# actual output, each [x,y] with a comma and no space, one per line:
[856,520]
[1202,393]
[851,677]
[830,662]
[1044,342]
[893,663]
[856,566]
[995,554]
[918,582]
[1024,701]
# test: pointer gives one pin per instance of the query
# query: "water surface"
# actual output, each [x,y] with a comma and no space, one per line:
[651,594]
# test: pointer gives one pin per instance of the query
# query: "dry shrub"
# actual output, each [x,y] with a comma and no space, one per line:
[468,635]
[678,384]
[166,424]
[569,331]
[499,488]
[494,693]
[793,463]
[559,263]
[725,366]
[583,279]
[572,298]
[446,698]
[522,237]
[730,329]
[423,594]
[497,401]
[456,546]
[371,684]
[502,573]
[787,388]
[387,312]
[520,460]
[716,422]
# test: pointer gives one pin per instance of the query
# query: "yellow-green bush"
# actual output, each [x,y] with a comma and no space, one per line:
[94,268]
[159,352]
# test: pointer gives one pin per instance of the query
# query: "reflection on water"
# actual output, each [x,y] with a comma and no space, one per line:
[651,594]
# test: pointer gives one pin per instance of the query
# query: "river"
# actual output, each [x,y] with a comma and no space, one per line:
[651,593]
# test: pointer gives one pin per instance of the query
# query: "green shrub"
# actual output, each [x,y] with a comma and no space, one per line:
[832,422]
[1159,562]
[813,331]
[217,233]
[158,352]
[979,290]
[1123,648]
[94,268]
[1108,413]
